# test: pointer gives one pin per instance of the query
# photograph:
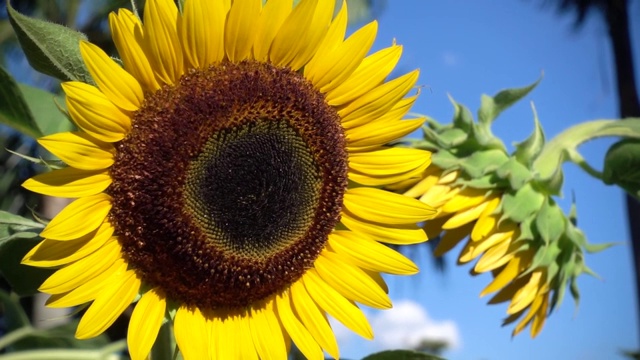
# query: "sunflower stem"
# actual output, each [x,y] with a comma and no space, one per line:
[16,335]
[163,348]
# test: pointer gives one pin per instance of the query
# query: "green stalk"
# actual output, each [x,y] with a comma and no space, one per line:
[16,335]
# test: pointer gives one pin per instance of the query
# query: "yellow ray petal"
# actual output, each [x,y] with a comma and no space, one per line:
[496,256]
[384,207]
[429,179]
[313,319]
[118,85]
[370,73]
[378,101]
[370,254]
[266,332]
[387,165]
[296,330]
[126,31]
[80,150]
[161,40]
[533,309]
[525,295]
[69,182]
[451,238]
[466,198]
[541,316]
[191,332]
[289,39]
[83,270]
[399,234]
[78,218]
[108,306]
[465,216]
[245,341]
[331,42]
[336,305]
[240,31]
[145,323]
[89,290]
[51,253]
[228,345]
[506,275]
[351,281]
[273,15]
[475,248]
[380,132]
[201,30]
[94,113]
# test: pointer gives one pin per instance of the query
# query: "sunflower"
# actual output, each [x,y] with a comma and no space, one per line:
[465,212]
[228,179]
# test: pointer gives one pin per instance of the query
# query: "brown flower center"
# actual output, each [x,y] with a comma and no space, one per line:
[229,183]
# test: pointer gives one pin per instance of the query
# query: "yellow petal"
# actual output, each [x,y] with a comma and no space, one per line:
[398,234]
[240,31]
[351,281]
[126,31]
[371,254]
[108,306]
[370,73]
[273,15]
[313,319]
[541,316]
[464,217]
[384,207]
[118,85]
[387,165]
[466,198]
[78,218]
[378,101]
[201,29]
[380,132]
[266,332]
[336,305]
[145,323]
[192,334]
[89,290]
[296,330]
[161,40]
[79,150]
[94,113]
[69,182]
[51,253]
[451,238]
[83,270]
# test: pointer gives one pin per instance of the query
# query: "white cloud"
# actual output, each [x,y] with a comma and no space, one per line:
[450,59]
[407,324]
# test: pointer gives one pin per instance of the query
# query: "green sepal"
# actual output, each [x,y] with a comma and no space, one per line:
[445,160]
[14,111]
[451,138]
[491,107]
[622,166]
[529,149]
[596,248]
[483,162]
[550,221]
[522,204]
[462,117]
[401,355]
[50,48]
[489,181]
[515,173]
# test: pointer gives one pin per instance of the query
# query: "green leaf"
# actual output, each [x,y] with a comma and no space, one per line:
[12,312]
[14,110]
[521,205]
[401,355]
[491,107]
[24,280]
[516,173]
[550,221]
[622,166]
[51,49]
[561,147]
[45,110]
[529,149]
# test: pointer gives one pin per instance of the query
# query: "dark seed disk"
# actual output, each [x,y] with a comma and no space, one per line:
[229,183]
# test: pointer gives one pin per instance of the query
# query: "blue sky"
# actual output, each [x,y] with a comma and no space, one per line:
[466,48]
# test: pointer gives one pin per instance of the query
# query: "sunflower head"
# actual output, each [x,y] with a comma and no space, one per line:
[504,209]
[228,178]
